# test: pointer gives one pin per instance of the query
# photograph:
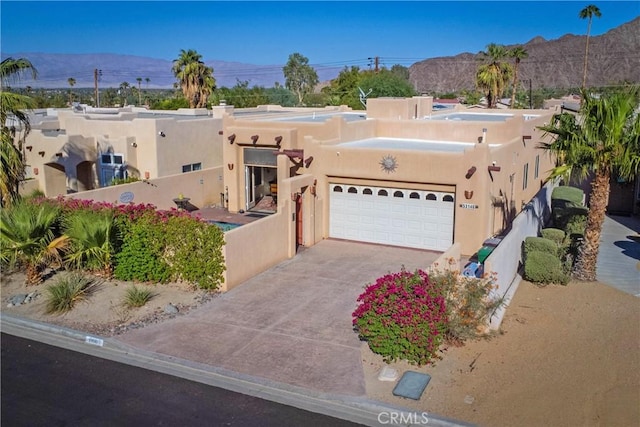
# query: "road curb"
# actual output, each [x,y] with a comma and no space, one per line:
[355,409]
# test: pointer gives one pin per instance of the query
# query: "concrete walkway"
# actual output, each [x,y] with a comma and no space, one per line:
[290,324]
[619,257]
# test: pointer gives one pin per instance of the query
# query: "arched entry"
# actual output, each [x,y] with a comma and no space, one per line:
[55,180]
[84,173]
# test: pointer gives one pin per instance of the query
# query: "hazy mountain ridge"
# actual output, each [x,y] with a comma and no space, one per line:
[614,57]
[54,70]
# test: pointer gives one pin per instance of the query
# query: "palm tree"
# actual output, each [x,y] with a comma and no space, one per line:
[72,83]
[517,53]
[588,12]
[124,87]
[492,76]
[604,140]
[194,78]
[139,80]
[90,237]
[26,233]
[13,105]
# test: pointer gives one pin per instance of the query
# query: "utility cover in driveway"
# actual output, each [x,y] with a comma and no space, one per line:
[392,216]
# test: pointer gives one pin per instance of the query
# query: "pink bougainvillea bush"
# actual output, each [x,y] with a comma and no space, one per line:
[410,315]
[402,316]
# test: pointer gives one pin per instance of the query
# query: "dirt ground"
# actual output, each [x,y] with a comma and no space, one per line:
[103,311]
[565,355]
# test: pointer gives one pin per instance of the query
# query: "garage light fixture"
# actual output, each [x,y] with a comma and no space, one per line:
[254,139]
[231,138]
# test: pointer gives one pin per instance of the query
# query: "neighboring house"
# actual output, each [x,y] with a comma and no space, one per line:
[76,151]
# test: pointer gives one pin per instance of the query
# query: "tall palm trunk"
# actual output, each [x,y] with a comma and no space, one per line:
[586,56]
[588,255]
[515,84]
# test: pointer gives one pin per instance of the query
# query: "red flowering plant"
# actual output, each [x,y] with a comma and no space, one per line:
[403,316]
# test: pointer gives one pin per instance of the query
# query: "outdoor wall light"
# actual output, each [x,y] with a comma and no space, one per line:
[134,144]
[162,134]
[58,154]
[254,138]
[230,166]
[231,138]
[468,194]
[41,153]
[29,147]
[470,172]
[308,161]
[278,140]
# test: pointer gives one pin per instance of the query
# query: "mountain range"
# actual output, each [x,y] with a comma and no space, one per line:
[614,57]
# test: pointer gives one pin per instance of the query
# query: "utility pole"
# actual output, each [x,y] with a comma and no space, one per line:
[376,62]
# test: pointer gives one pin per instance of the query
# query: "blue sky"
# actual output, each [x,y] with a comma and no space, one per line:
[328,33]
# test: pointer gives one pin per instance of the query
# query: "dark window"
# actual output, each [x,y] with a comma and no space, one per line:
[337,189]
[398,194]
[431,196]
[352,190]
[367,191]
[447,198]
[382,193]
[414,195]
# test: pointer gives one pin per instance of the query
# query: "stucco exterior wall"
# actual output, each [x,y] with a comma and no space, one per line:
[202,187]
[255,247]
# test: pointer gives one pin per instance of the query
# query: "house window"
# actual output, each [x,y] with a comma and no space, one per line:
[414,195]
[352,190]
[431,196]
[382,193]
[525,176]
[367,191]
[192,167]
[398,194]
[337,189]
[536,170]
[111,159]
[447,198]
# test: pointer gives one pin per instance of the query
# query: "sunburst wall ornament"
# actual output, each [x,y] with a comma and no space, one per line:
[388,163]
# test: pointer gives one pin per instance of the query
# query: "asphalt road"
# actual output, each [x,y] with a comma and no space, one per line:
[48,385]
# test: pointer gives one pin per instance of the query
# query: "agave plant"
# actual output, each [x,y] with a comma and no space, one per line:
[90,235]
[27,237]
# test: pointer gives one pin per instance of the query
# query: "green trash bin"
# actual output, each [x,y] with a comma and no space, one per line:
[484,252]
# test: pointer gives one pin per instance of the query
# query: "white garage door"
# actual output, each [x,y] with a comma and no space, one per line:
[391,216]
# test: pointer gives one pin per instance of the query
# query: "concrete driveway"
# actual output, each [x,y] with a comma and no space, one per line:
[290,324]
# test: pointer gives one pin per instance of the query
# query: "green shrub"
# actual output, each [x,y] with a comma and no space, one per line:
[570,195]
[137,297]
[533,243]
[140,257]
[194,252]
[544,268]
[67,291]
[576,224]
[554,234]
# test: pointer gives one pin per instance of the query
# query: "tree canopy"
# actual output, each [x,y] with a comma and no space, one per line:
[300,77]
[603,140]
[194,78]
[14,106]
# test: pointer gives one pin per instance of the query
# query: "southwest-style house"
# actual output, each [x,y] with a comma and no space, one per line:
[400,173]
